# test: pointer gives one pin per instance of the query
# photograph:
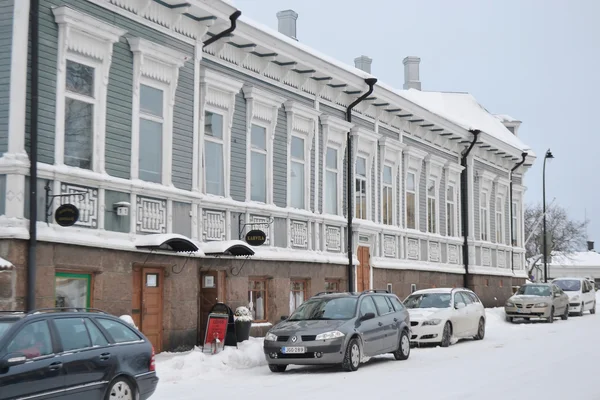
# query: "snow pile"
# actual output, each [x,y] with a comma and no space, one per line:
[173,367]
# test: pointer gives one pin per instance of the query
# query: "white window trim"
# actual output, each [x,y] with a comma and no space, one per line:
[486,180]
[518,200]
[85,40]
[364,145]
[302,122]
[217,95]
[502,185]
[434,166]
[262,109]
[335,133]
[453,172]
[391,154]
[413,163]
[157,66]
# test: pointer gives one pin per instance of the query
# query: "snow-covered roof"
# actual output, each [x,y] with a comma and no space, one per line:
[464,110]
[166,241]
[578,259]
[5,264]
[227,247]
[506,118]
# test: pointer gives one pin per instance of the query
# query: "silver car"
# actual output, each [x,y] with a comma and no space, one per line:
[538,300]
[340,329]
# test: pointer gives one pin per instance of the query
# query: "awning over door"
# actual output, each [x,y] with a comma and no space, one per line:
[227,248]
[167,242]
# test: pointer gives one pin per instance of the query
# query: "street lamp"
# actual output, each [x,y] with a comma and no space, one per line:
[545,244]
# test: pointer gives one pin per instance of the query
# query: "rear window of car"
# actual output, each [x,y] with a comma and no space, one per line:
[120,332]
[5,326]
[397,303]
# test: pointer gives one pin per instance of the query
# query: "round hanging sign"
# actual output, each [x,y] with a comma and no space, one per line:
[66,215]
[256,237]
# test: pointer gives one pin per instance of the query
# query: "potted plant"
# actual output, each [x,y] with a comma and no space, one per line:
[243,323]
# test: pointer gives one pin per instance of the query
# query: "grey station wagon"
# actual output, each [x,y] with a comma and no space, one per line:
[340,329]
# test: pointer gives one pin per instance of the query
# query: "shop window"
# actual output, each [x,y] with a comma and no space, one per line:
[298,293]
[332,285]
[72,290]
[257,299]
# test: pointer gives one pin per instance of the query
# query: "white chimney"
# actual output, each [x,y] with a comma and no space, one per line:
[411,73]
[363,63]
[287,23]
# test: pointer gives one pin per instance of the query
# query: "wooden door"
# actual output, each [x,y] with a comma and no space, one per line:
[148,304]
[211,293]
[363,272]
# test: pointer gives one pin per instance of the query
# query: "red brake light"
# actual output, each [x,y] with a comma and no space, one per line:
[152,361]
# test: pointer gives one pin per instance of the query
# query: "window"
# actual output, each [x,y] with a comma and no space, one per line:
[96,336]
[74,334]
[431,207]
[332,285]
[297,168]
[515,224]
[72,290]
[361,188]
[214,160]
[384,306]
[298,293]
[467,298]
[257,299]
[367,306]
[499,220]
[80,103]
[483,216]
[387,196]
[397,304]
[458,298]
[450,211]
[258,164]
[411,201]
[389,288]
[413,287]
[331,181]
[119,332]
[151,133]
[33,341]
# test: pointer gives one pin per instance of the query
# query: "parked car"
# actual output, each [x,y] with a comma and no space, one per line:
[581,292]
[538,300]
[73,354]
[438,315]
[340,329]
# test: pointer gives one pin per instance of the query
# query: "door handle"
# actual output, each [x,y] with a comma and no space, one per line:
[104,356]
[380,323]
[55,366]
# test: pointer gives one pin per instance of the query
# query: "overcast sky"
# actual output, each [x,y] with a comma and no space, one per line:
[536,60]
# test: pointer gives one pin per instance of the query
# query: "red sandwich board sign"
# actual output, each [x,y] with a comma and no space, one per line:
[216,328]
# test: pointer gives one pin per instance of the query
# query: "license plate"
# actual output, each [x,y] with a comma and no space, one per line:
[293,350]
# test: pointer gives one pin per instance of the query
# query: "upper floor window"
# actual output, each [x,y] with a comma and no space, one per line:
[152,125]
[499,220]
[214,157]
[515,224]
[483,216]
[387,196]
[411,201]
[361,188]
[258,164]
[331,181]
[431,207]
[450,211]
[297,168]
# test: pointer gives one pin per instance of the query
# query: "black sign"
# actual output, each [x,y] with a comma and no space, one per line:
[66,215]
[256,237]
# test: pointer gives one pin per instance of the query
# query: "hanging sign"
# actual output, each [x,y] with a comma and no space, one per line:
[256,237]
[66,215]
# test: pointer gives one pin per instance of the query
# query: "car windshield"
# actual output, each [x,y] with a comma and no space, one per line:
[325,308]
[428,300]
[534,290]
[4,326]
[568,285]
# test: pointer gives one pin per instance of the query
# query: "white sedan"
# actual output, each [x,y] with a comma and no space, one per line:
[438,315]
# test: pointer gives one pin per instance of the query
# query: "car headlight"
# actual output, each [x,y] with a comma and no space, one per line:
[329,335]
[541,305]
[509,304]
[269,337]
[575,298]
[432,322]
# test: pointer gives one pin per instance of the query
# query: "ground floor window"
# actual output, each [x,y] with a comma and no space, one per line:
[298,293]
[72,290]
[257,299]
[332,285]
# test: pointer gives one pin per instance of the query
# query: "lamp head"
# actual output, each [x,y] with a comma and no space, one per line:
[549,154]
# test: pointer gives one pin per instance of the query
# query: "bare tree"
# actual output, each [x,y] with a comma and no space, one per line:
[563,234]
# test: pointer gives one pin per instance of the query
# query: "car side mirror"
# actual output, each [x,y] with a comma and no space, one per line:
[367,316]
[12,359]
[284,317]
[458,306]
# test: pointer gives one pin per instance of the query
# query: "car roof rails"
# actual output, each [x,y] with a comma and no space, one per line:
[12,312]
[66,309]
[374,291]
[322,293]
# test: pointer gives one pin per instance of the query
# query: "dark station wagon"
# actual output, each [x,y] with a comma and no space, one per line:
[73,354]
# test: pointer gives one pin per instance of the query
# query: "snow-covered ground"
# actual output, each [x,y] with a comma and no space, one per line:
[514,361]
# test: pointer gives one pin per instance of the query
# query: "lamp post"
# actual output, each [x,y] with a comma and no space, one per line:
[545,244]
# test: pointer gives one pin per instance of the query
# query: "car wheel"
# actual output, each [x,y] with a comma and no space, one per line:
[352,357]
[403,351]
[480,330]
[447,335]
[277,368]
[509,319]
[551,317]
[593,310]
[120,389]
[580,313]
[565,315]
